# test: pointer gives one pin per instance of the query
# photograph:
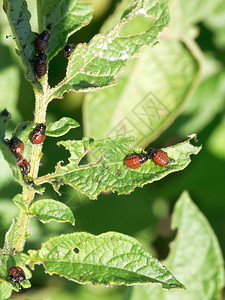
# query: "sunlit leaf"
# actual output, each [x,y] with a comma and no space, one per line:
[109,171]
[19,18]
[110,258]
[149,95]
[61,127]
[96,64]
[65,17]
[50,210]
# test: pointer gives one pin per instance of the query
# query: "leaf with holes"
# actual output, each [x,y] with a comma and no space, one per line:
[61,127]
[96,65]
[110,258]
[148,97]
[50,210]
[108,170]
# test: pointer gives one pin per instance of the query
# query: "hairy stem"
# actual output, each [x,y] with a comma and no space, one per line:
[18,232]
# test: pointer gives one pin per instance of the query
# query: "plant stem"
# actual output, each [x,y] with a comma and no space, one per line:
[17,234]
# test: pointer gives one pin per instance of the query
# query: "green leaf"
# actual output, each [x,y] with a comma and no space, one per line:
[9,259]
[19,202]
[110,258]
[12,235]
[61,127]
[50,210]
[206,103]
[5,291]
[97,64]
[66,17]
[216,141]
[109,172]
[215,21]
[148,96]
[9,74]
[19,19]
[195,257]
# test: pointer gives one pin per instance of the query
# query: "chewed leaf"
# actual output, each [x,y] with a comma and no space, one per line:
[97,64]
[110,258]
[19,18]
[109,171]
[65,17]
[61,127]
[138,103]
[50,210]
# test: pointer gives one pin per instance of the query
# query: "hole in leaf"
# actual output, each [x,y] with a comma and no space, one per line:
[138,25]
[76,250]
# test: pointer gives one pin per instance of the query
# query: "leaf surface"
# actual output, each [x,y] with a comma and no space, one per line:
[195,257]
[19,19]
[50,210]
[149,95]
[110,258]
[65,17]
[97,64]
[109,171]
[61,127]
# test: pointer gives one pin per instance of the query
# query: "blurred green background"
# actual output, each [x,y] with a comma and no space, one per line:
[145,214]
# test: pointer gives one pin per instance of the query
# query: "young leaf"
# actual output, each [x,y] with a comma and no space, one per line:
[195,257]
[19,202]
[61,127]
[19,18]
[109,171]
[8,260]
[97,64]
[147,98]
[110,258]
[50,210]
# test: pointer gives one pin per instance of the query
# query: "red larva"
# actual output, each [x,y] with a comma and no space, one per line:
[158,156]
[16,145]
[41,43]
[17,275]
[68,49]
[24,167]
[134,161]
[19,158]
[38,135]
[40,66]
